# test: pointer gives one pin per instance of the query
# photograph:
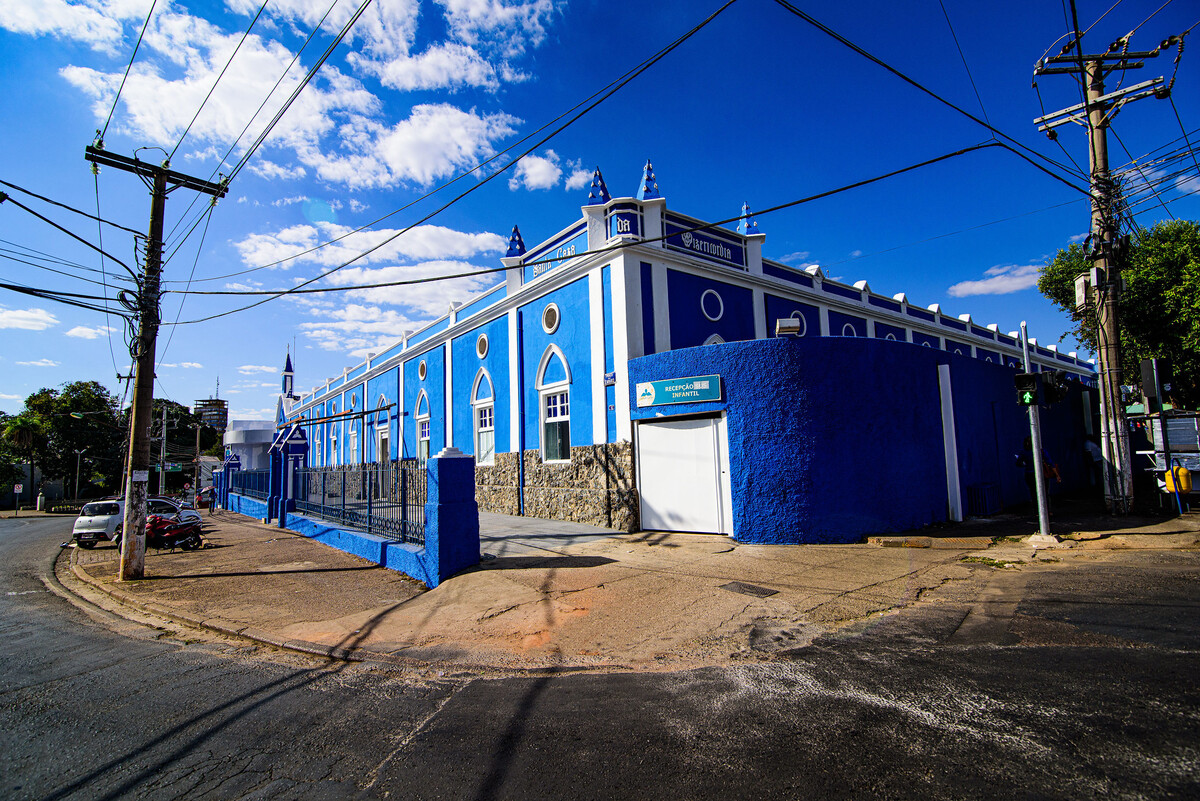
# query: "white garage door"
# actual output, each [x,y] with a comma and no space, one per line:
[683,475]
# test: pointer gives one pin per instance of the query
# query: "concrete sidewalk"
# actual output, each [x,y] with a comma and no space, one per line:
[562,596]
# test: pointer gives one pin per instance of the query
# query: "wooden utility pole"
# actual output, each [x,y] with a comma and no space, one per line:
[1096,113]
[160,181]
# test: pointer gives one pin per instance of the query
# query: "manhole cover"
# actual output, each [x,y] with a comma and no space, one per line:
[749,589]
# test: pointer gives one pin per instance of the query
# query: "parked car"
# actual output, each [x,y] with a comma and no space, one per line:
[170,507]
[101,521]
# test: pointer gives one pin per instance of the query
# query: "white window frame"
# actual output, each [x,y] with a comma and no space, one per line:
[560,390]
[482,408]
[383,432]
[423,428]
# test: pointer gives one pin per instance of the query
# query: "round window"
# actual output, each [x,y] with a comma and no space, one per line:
[481,346]
[712,305]
[550,318]
[422,370]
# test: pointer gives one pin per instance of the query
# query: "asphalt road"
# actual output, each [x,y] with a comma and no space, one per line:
[1071,681]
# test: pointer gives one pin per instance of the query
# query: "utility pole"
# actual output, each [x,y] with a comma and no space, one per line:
[162,453]
[157,178]
[1096,113]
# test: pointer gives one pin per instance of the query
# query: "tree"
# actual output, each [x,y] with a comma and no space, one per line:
[81,416]
[181,441]
[26,434]
[1159,309]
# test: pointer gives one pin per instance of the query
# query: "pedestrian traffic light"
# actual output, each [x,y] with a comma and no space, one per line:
[1027,388]
[1055,386]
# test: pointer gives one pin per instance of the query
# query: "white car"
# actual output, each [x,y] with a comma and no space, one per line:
[100,521]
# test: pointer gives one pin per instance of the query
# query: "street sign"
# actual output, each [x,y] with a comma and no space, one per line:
[695,389]
[17,488]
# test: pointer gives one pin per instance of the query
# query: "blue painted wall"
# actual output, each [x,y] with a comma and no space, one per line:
[778,308]
[466,365]
[840,325]
[690,326]
[821,455]
[434,386]
[573,338]
[386,385]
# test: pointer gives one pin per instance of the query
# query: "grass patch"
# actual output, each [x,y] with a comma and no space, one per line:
[998,540]
[990,562]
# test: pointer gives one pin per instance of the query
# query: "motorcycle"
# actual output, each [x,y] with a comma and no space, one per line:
[170,532]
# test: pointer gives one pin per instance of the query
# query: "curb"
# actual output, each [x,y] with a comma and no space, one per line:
[231,628]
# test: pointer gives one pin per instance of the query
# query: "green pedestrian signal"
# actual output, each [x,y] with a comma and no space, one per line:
[1027,388]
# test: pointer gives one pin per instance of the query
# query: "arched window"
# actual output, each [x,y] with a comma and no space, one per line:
[483,408]
[383,447]
[715,339]
[554,403]
[422,418]
[335,456]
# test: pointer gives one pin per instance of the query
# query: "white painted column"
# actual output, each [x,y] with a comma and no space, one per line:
[514,384]
[759,302]
[449,390]
[662,314]
[596,324]
[950,444]
[627,335]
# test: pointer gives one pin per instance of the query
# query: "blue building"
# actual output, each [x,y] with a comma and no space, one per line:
[626,373]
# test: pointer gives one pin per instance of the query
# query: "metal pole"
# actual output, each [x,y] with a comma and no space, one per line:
[78,457]
[1035,436]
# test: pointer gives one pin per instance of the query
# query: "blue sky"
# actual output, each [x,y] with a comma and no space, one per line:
[756,107]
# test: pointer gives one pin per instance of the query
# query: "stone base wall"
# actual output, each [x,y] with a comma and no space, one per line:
[597,487]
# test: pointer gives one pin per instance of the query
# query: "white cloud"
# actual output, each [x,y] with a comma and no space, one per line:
[799,255]
[1079,237]
[854,254]
[436,141]
[40,363]
[96,24]
[5,396]
[578,179]
[83,332]
[1001,280]
[251,369]
[425,242]
[536,172]
[191,365]
[446,66]
[27,319]
[426,301]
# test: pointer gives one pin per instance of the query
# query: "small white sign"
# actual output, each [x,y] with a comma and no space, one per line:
[18,487]
[141,475]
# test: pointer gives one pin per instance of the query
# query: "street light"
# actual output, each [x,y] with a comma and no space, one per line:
[78,454]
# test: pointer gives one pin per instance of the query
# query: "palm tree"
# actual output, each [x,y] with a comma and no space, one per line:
[25,432]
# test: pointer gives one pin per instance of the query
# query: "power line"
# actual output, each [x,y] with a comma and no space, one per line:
[213,88]
[100,134]
[299,289]
[602,97]
[104,272]
[4,197]
[44,199]
[296,93]
[58,297]
[257,111]
[876,60]
[967,67]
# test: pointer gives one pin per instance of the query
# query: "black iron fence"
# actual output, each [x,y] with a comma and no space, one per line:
[254,483]
[386,499]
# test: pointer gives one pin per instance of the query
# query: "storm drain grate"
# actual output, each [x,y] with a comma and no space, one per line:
[749,589]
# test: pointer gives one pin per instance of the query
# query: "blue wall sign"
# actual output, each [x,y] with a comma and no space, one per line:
[556,254]
[712,244]
[624,223]
[680,390]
